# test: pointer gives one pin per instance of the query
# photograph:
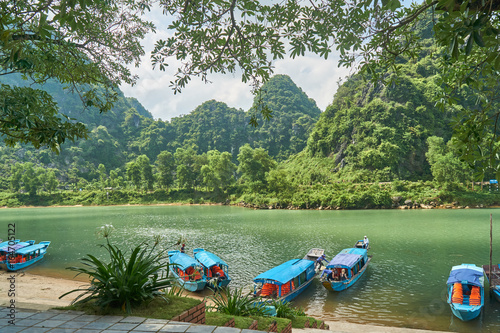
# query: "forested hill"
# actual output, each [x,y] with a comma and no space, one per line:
[378,132]
[129,130]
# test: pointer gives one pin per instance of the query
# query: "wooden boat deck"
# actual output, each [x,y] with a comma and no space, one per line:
[495,274]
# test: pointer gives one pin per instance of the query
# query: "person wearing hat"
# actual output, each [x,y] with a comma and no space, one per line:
[319,261]
[366,243]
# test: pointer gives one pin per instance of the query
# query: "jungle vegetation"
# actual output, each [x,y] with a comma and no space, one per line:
[376,146]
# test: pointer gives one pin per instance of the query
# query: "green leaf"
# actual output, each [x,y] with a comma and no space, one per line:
[477,38]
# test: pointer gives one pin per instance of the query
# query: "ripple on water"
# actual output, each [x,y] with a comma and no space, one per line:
[405,285]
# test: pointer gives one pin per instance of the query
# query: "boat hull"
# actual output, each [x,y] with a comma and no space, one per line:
[496,293]
[219,284]
[15,267]
[297,291]
[190,285]
[466,314]
[343,285]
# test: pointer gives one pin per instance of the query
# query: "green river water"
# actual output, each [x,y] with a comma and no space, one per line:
[405,285]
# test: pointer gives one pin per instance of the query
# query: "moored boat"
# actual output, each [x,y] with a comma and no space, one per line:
[187,271]
[26,256]
[345,269]
[215,269]
[466,291]
[15,245]
[493,279]
[286,281]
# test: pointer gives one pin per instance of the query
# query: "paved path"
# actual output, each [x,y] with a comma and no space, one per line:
[63,321]
[56,321]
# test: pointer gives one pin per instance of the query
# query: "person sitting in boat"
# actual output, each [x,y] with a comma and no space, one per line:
[366,243]
[182,248]
[331,275]
[319,261]
[343,275]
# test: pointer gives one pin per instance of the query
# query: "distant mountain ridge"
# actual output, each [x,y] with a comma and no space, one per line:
[129,130]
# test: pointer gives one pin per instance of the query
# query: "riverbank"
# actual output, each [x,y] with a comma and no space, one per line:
[41,293]
[395,195]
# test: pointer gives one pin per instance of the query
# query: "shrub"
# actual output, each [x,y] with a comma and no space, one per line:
[286,310]
[123,282]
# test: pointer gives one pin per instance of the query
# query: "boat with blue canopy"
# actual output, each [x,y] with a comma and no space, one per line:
[26,256]
[187,271]
[6,249]
[466,291]
[345,269]
[215,269]
[286,281]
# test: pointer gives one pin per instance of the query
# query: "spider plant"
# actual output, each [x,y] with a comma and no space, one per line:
[123,282]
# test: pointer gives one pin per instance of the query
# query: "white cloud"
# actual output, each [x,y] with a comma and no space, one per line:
[317,78]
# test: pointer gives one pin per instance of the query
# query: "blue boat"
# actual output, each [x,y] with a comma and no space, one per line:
[26,256]
[345,269]
[214,268]
[493,278]
[466,291]
[187,271]
[286,281]
[5,249]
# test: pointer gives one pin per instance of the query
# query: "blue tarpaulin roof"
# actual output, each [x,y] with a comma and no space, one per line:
[30,248]
[207,259]
[466,273]
[347,257]
[183,260]
[286,271]
[14,247]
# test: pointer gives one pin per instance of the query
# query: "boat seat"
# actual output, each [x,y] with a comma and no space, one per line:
[475,296]
[457,295]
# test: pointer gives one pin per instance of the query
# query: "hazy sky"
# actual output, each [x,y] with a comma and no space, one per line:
[315,76]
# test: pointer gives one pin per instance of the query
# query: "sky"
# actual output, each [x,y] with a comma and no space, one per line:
[317,77]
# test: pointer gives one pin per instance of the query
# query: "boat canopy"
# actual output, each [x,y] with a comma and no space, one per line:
[14,247]
[182,260]
[207,259]
[286,271]
[466,273]
[348,258]
[6,243]
[31,248]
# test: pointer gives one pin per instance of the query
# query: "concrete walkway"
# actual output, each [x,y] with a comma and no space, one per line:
[56,321]
[63,321]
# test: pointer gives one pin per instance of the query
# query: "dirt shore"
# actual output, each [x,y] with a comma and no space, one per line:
[37,292]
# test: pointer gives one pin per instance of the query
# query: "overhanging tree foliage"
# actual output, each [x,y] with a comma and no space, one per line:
[371,35]
[85,44]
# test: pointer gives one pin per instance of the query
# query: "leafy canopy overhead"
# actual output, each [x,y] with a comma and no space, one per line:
[82,43]
[370,35]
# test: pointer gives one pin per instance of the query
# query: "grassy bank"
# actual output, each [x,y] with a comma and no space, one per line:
[331,196]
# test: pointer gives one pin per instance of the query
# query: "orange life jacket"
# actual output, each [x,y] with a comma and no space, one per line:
[267,289]
[457,295]
[475,296]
